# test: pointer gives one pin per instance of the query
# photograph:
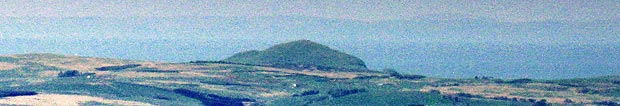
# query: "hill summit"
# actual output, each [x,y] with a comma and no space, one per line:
[300,54]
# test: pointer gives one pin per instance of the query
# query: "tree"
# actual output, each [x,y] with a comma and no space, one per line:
[542,102]
[69,73]
[568,101]
[392,72]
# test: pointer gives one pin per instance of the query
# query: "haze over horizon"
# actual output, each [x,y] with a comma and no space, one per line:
[440,38]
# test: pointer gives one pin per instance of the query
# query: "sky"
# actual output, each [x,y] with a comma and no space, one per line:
[365,10]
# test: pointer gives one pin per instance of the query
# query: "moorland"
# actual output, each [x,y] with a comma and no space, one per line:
[296,73]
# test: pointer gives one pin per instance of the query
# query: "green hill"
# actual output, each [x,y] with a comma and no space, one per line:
[301,53]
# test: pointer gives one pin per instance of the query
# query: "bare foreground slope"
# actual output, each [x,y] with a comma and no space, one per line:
[49,79]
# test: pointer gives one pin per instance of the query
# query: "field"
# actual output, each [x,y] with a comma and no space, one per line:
[32,79]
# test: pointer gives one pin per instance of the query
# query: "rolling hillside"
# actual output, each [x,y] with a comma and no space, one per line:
[36,79]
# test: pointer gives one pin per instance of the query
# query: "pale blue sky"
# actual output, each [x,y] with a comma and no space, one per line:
[366,10]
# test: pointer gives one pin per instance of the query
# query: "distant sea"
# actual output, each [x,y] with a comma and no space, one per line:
[464,60]
[459,48]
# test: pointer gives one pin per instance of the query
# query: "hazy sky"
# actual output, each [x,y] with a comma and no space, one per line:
[366,10]
[431,37]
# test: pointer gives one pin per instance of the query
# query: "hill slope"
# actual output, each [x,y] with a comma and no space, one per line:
[301,52]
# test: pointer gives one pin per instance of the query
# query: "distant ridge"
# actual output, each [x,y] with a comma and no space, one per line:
[300,54]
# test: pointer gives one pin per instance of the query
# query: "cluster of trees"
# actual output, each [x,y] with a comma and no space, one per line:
[155,70]
[467,95]
[73,73]
[615,82]
[394,73]
[572,85]
[344,92]
[459,97]
[483,77]
[542,102]
[118,68]
[586,90]
[607,103]
[307,93]
[213,100]
[70,73]
[518,81]
[16,93]
[515,81]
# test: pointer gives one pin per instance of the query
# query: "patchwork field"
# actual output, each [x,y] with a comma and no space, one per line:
[41,79]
